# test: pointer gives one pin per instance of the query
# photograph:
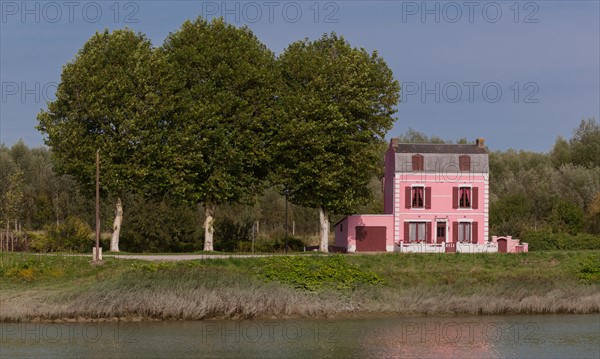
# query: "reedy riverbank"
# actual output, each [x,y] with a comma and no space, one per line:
[38,288]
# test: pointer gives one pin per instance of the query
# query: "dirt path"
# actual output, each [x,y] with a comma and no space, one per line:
[182,257]
[187,257]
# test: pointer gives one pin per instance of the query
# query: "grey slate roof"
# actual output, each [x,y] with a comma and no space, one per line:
[440,158]
[439,148]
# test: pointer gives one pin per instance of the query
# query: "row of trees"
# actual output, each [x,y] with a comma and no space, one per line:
[212,118]
[532,195]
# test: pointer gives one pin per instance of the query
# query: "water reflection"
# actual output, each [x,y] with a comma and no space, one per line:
[394,337]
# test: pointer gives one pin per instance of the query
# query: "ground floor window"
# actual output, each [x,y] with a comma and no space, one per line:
[416,231]
[464,232]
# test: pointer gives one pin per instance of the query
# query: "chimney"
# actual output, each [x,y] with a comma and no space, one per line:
[394,143]
[480,143]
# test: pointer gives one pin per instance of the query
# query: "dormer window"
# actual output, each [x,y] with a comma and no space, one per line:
[417,163]
[464,162]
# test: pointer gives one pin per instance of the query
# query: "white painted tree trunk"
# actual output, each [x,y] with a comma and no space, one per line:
[209,228]
[114,240]
[324,219]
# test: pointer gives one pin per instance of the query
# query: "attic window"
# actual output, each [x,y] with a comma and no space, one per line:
[417,163]
[464,162]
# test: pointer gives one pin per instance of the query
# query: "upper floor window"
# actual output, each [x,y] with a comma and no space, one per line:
[417,163]
[464,162]
[464,197]
[418,197]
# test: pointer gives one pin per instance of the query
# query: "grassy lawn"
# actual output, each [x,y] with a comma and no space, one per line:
[49,287]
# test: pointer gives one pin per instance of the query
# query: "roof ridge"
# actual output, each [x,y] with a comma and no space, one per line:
[437,144]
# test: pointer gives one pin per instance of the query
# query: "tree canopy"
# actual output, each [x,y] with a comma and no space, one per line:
[338,104]
[100,103]
[103,102]
[221,81]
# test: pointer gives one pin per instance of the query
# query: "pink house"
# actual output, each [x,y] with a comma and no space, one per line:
[436,200]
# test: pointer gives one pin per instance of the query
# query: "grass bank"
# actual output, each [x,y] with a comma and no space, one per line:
[34,287]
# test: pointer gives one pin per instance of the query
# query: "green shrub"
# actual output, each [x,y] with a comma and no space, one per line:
[231,236]
[71,235]
[160,225]
[589,272]
[567,217]
[540,240]
[267,245]
[152,266]
[545,240]
[314,273]
[40,242]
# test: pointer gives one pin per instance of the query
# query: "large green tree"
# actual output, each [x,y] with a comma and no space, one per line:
[215,142]
[338,104]
[105,101]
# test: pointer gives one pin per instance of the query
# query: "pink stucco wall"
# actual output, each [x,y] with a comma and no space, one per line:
[441,202]
[341,233]
[346,229]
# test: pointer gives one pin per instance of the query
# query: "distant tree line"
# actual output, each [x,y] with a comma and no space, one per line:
[41,201]
[545,198]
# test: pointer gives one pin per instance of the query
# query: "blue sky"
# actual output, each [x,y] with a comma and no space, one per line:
[515,73]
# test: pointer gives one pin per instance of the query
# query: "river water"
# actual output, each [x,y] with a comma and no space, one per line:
[539,336]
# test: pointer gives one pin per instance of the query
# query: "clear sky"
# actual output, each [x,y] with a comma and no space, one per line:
[515,73]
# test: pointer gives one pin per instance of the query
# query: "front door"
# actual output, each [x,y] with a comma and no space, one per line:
[441,232]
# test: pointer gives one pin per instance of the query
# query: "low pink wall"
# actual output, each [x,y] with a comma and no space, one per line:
[345,230]
[513,245]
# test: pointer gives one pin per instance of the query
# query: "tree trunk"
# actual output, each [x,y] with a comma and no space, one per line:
[324,219]
[114,240]
[209,229]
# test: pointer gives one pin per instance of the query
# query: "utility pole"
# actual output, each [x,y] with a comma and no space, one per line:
[286,220]
[97,257]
